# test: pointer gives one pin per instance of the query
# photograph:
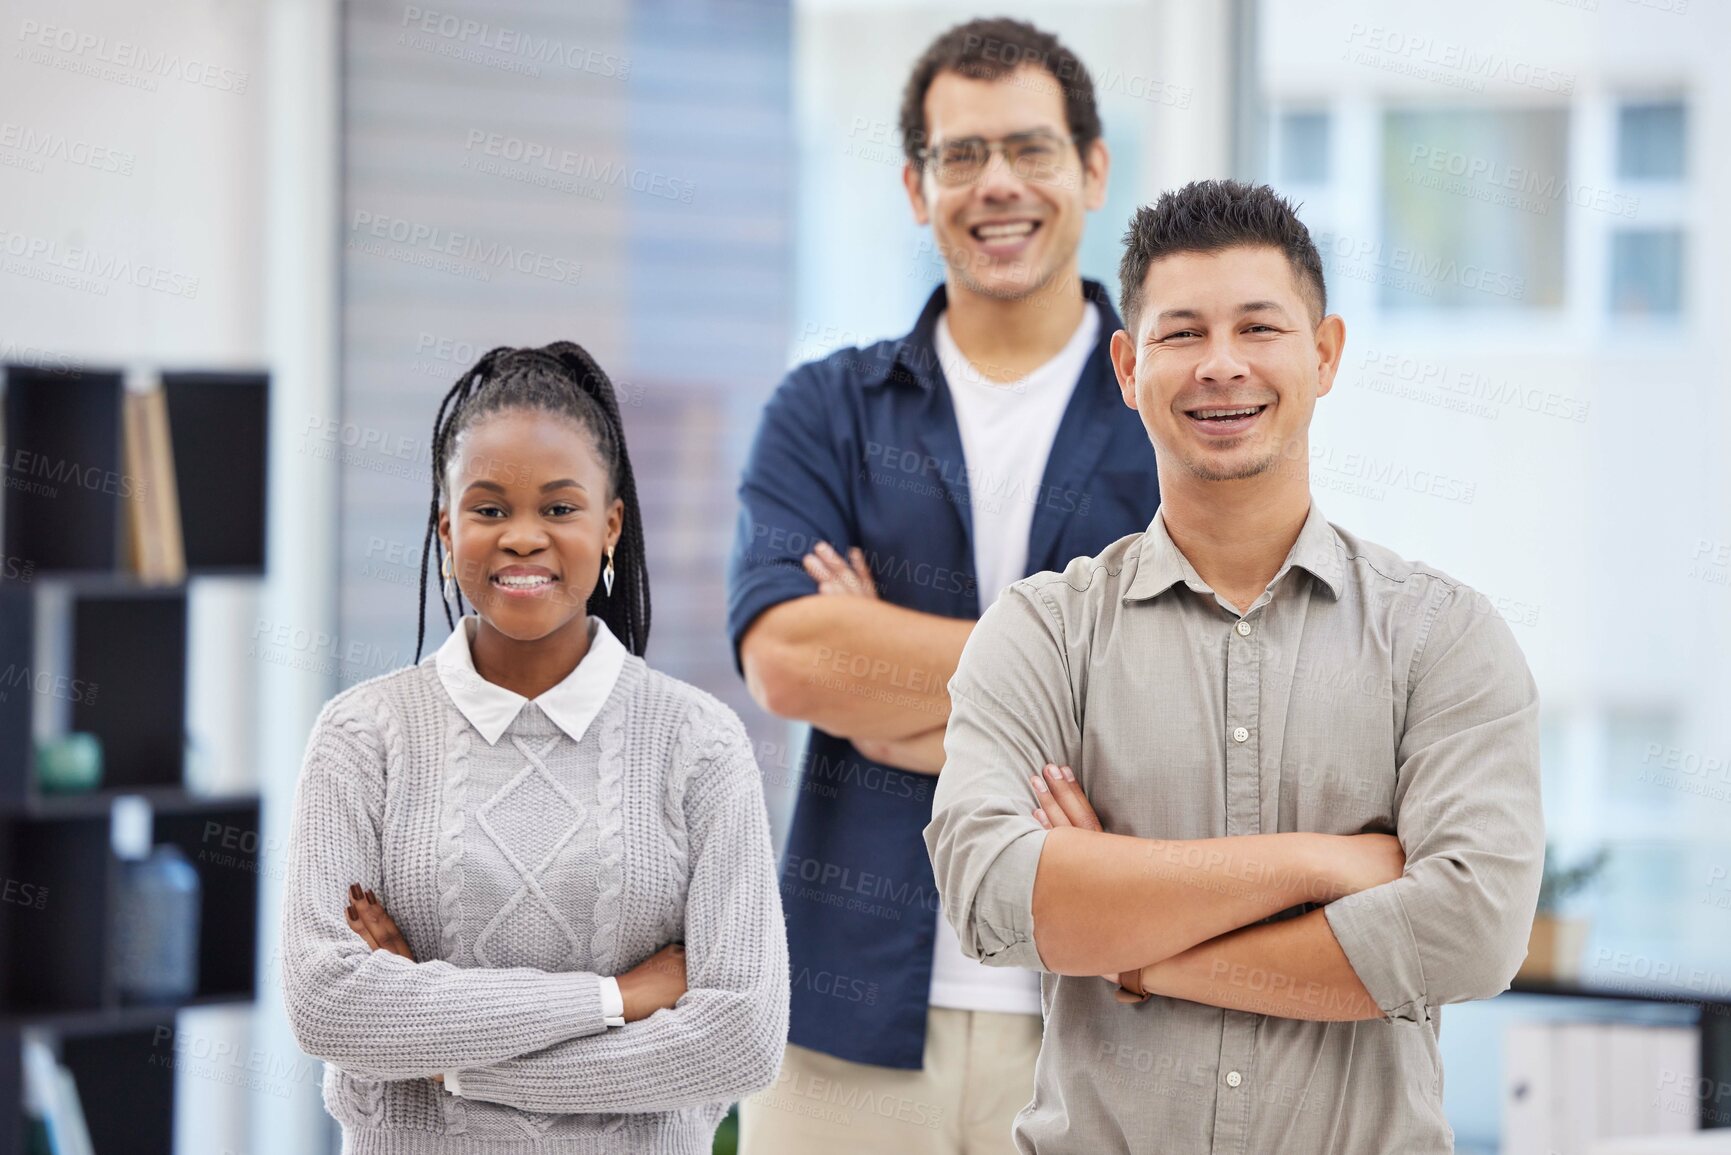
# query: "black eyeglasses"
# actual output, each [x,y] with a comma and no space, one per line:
[1032,156]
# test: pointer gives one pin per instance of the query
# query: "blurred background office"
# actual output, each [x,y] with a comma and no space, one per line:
[298,220]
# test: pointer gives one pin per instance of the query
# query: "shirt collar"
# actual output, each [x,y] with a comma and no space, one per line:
[1160,565]
[572,704]
[914,358]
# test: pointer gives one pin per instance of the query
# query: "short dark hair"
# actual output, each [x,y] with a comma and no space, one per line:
[1208,215]
[989,49]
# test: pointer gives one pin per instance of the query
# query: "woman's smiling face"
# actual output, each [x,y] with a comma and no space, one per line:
[527,519]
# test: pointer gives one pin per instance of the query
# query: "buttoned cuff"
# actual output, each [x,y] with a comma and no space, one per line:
[1376,936]
[1003,914]
[612,1003]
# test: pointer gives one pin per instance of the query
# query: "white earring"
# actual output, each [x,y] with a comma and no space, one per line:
[450,583]
[607,574]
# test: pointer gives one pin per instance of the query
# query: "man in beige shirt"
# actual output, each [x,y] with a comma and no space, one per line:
[1273,776]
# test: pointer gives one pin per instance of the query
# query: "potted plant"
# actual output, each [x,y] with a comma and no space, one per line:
[1554,949]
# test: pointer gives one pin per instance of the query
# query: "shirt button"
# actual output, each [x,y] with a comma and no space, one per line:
[1243,629]
[1241,735]
[1233,1078]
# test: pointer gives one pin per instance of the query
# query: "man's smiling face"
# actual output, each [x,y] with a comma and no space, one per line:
[1001,235]
[1226,363]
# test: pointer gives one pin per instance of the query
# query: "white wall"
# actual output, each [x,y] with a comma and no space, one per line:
[1593,522]
[143,148]
[186,198]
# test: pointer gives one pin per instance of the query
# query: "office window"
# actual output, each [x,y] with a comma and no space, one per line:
[1473,208]
[1647,272]
[1644,898]
[1634,740]
[1650,141]
[1303,144]
[1646,266]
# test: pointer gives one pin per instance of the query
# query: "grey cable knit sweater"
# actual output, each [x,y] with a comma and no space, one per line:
[521,872]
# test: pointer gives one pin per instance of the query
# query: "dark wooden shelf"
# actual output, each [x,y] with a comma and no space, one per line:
[64,511]
[102,582]
[221,425]
[99,583]
[162,800]
[120,671]
[1653,994]
[105,1020]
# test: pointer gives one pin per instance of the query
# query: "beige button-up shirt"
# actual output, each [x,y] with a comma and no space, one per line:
[1359,693]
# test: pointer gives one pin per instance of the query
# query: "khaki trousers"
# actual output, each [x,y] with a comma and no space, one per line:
[978,1073]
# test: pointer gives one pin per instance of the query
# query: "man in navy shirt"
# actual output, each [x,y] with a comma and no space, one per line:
[891,494]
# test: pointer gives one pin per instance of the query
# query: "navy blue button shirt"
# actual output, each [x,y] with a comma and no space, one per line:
[862,449]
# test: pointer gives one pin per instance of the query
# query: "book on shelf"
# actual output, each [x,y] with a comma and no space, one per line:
[155,547]
[51,1095]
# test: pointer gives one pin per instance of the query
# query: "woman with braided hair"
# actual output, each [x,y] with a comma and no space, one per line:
[533,903]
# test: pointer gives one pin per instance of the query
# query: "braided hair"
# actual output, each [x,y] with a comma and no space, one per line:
[561,379]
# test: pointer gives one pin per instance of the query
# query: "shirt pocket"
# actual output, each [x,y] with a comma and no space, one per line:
[1336,797]
[1338,776]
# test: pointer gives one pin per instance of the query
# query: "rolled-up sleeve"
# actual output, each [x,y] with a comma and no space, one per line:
[1011,711]
[1468,812]
[793,494]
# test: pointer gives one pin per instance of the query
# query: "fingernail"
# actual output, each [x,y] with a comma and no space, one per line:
[1069,776]
[1044,821]
[355,891]
[1055,774]
[353,917]
[1040,785]
[372,898]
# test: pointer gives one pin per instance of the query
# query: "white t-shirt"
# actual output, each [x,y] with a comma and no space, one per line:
[1007,431]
